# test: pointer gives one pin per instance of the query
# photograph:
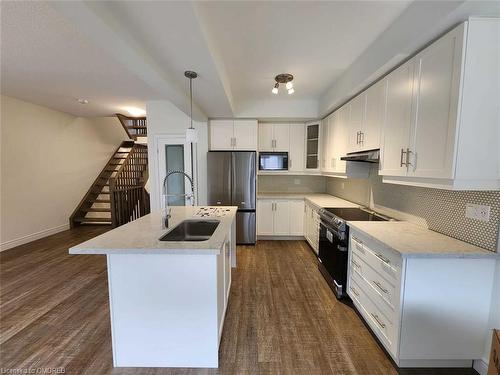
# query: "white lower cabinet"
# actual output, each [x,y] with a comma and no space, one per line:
[280,217]
[426,311]
[311,226]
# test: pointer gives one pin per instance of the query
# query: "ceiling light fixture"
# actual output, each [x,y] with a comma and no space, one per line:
[82,101]
[191,133]
[285,79]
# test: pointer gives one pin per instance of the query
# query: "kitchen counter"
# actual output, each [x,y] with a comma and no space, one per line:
[319,200]
[142,235]
[411,240]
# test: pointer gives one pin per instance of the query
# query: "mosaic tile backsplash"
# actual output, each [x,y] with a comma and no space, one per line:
[440,210]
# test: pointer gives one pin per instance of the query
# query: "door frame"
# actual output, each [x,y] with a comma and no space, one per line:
[160,141]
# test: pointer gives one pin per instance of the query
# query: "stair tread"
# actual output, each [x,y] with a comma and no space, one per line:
[93,219]
[98,209]
[102,201]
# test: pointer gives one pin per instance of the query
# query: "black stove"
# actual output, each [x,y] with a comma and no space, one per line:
[353,214]
[334,243]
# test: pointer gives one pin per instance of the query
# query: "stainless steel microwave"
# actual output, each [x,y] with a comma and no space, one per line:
[273,161]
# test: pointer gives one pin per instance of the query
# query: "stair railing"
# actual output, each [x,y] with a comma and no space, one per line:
[128,197]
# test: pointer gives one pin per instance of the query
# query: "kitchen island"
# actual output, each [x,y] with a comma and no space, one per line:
[167,299]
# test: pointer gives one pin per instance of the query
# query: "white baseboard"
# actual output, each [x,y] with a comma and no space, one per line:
[281,238]
[480,366]
[32,237]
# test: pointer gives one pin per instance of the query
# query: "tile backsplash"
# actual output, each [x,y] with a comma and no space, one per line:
[440,210]
[291,184]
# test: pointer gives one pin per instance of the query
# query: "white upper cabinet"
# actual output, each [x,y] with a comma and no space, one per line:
[366,117]
[281,137]
[374,115]
[437,78]
[296,156]
[233,134]
[356,118]
[274,137]
[221,134]
[447,135]
[312,146]
[397,120]
[245,135]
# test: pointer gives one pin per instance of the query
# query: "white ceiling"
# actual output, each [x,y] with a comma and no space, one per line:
[44,60]
[314,41]
[125,53]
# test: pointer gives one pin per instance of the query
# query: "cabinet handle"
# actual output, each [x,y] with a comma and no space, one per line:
[234,141]
[408,152]
[356,264]
[377,319]
[403,153]
[361,137]
[357,138]
[382,258]
[354,291]
[378,285]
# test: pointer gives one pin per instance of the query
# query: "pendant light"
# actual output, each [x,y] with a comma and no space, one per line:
[285,79]
[191,133]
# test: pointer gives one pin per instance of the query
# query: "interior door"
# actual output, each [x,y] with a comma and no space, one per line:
[397,120]
[219,178]
[221,134]
[243,170]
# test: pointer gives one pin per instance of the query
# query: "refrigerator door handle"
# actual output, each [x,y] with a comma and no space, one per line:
[232,176]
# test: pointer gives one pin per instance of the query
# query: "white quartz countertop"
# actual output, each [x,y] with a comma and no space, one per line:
[319,200]
[411,240]
[142,235]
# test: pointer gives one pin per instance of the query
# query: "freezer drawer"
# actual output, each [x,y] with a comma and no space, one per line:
[245,227]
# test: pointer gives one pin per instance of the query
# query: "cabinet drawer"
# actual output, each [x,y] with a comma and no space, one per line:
[381,325]
[384,263]
[384,291]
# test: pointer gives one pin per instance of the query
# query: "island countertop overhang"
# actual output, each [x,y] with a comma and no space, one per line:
[142,235]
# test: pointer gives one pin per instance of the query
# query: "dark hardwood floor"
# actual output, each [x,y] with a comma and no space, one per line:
[282,317]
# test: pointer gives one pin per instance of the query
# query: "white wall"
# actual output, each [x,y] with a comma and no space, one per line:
[164,118]
[49,159]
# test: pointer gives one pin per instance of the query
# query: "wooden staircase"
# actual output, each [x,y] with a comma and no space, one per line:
[134,126]
[128,165]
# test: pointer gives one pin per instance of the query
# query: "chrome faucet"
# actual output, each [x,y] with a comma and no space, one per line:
[167,215]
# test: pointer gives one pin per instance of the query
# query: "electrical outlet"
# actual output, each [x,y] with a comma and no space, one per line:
[477,212]
[296,181]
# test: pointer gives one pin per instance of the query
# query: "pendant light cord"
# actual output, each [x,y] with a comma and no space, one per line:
[191,97]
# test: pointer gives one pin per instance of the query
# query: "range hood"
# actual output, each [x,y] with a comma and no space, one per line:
[370,156]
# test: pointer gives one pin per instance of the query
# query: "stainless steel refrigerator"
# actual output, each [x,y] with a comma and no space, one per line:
[232,182]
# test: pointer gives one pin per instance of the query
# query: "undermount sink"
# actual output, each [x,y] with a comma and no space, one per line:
[192,230]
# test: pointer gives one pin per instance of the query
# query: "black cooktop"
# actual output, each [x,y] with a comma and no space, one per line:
[354,214]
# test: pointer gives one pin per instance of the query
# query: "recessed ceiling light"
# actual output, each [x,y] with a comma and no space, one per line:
[82,101]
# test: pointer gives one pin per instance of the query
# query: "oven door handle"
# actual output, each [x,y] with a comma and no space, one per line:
[331,230]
